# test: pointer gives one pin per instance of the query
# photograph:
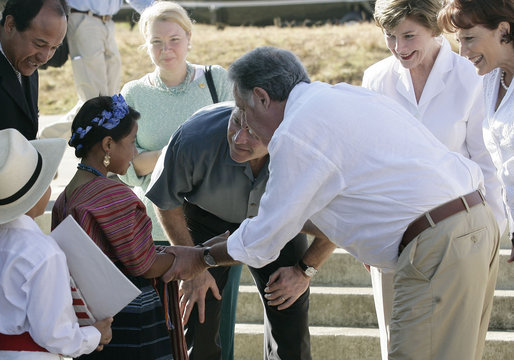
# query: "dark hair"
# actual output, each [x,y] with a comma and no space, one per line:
[464,14]
[275,70]
[24,11]
[92,109]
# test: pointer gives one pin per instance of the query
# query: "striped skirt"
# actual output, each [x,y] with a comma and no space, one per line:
[139,331]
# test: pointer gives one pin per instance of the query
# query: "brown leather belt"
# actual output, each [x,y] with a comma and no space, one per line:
[438,214]
[104,18]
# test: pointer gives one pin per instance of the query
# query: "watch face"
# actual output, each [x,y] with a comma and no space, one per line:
[207,257]
[307,270]
[310,271]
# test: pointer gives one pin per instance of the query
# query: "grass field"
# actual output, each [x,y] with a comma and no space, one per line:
[331,53]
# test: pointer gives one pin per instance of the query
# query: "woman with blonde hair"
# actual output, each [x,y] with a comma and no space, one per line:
[425,76]
[166,98]
[170,94]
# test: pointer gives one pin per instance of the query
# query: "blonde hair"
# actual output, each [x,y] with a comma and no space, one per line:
[389,13]
[164,11]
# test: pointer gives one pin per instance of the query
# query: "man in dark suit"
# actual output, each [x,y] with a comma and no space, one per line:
[30,32]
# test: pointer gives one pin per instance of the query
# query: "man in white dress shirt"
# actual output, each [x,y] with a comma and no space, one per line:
[370,178]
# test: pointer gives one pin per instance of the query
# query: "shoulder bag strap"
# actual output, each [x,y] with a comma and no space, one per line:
[210,83]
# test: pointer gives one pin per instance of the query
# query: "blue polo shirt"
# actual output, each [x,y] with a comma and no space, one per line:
[197,167]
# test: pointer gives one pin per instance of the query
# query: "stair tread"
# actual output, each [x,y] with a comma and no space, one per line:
[353,331]
[352,290]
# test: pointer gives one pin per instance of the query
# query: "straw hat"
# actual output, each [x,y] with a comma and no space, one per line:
[26,170]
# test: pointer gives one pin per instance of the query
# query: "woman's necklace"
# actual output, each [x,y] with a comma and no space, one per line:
[90,169]
[502,81]
[179,88]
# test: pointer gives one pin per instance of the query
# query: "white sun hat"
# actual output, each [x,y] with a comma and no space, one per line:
[26,171]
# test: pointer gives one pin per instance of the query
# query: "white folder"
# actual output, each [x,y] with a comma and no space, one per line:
[106,290]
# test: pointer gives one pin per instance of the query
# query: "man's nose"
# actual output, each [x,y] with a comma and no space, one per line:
[241,136]
[44,55]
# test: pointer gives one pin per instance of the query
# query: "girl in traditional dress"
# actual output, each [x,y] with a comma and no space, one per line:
[103,135]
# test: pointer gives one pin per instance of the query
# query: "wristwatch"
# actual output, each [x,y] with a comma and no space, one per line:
[307,270]
[208,259]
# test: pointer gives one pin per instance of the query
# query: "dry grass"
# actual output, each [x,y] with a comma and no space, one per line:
[330,53]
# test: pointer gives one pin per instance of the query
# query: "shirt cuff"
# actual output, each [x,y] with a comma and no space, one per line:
[236,249]
[91,340]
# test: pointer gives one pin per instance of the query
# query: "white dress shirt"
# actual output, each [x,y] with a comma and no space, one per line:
[451,107]
[35,294]
[107,7]
[499,133]
[359,166]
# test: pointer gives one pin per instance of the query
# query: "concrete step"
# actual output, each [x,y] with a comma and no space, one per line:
[346,343]
[505,279]
[341,269]
[354,307]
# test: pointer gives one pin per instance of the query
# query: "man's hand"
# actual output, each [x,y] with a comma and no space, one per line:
[285,286]
[193,292]
[188,263]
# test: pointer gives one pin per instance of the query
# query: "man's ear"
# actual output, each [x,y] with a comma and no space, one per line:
[261,96]
[9,25]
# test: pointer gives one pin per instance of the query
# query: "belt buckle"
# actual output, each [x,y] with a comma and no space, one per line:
[105,18]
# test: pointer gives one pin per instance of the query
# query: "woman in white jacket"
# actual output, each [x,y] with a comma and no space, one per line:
[485,32]
[441,90]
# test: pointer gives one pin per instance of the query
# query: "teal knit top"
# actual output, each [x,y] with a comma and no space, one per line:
[163,109]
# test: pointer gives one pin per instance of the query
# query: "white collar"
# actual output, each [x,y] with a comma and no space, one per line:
[18,74]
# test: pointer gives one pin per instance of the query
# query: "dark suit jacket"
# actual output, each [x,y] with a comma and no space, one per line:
[18,108]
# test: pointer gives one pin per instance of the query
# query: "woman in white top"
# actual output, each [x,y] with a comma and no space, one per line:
[440,89]
[485,32]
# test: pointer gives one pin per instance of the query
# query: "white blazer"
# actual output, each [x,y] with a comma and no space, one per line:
[451,107]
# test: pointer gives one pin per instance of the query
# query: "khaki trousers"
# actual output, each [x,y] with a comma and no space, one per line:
[94,54]
[96,65]
[443,289]
[382,283]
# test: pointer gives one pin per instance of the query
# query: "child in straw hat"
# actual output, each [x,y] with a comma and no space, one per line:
[37,320]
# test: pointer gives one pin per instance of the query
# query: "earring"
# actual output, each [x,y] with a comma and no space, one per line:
[107,160]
